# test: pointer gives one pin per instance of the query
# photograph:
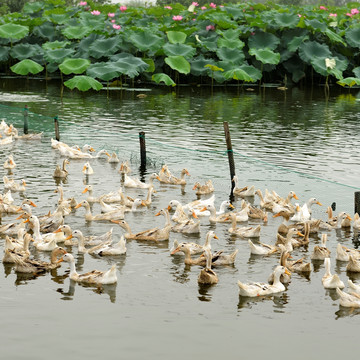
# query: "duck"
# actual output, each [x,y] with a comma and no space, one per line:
[353,287]
[78,235]
[87,169]
[94,277]
[284,278]
[257,213]
[189,226]
[261,289]
[348,300]
[208,276]
[199,204]
[179,214]
[306,208]
[9,163]
[356,222]
[262,249]
[105,208]
[68,203]
[290,242]
[154,234]
[353,264]
[15,133]
[30,266]
[7,198]
[321,252]
[111,197]
[148,199]
[124,169]
[90,240]
[61,172]
[265,203]
[297,217]
[59,235]
[245,231]
[11,229]
[112,215]
[330,281]
[39,242]
[113,159]
[6,140]
[76,152]
[243,214]
[205,189]
[102,154]
[13,186]
[218,216]
[294,265]
[11,251]
[52,222]
[112,249]
[136,183]
[242,192]
[173,180]
[342,253]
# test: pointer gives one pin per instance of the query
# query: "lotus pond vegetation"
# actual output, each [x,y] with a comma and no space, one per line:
[89,45]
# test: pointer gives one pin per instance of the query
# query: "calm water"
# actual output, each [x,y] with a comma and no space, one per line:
[157,310]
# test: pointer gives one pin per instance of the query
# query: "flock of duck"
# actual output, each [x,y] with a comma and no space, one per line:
[46,232]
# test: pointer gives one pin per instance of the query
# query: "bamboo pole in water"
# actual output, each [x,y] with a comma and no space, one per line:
[57,131]
[357,202]
[142,149]
[26,115]
[230,155]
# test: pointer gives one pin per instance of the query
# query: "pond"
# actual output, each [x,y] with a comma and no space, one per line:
[282,140]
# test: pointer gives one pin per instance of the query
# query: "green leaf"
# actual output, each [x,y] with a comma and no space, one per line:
[334,37]
[231,43]
[262,40]
[55,45]
[223,20]
[238,74]
[57,56]
[59,18]
[320,67]
[25,51]
[129,65]
[103,71]
[83,83]
[46,31]
[4,53]
[27,66]
[13,31]
[265,56]
[294,44]
[178,63]
[76,32]
[286,20]
[316,25]
[349,81]
[232,55]
[105,47]
[353,37]
[176,37]
[74,66]
[312,49]
[186,51]
[213,67]
[151,64]
[356,71]
[198,66]
[231,34]
[33,7]
[161,77]
[146,41]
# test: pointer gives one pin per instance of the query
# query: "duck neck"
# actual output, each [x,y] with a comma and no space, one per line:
[167,218]
[148,198]
[36,231]
[233,222]
[72,269]
[81,244]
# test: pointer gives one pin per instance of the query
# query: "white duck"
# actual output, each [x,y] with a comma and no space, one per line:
[330,281]
[218,216]
[306,208]
[113,159]
[188,226]
[112,249]
[14,186]
[95,277]
[262,249]
[353,287]
[61,172]
[245,231]
[136,183]
[348,300]
[87,169]
[321,252]
[356,223]
[208,276]
[261,289]
[112,215]
[243,192]
[9,163]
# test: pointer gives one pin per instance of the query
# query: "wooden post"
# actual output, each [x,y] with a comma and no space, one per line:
[142,149]
[57,132]
[357,202]
[230,155]
[26,115]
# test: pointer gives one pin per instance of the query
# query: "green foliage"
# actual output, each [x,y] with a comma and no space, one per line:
[74,66]
[27,66]
[83,83]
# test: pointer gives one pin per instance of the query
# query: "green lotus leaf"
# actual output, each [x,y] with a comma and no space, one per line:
[85,43]
[146,41]
[25,51]
[265,56]
[33,7]
[186,51]
[52,67]
[46,30]
[94,22]
[285,20]
[356,71]
[316,25]
[349,81]
[83,83]
[234,56]
[130,66]
[151,64]
[103,71]
[59,18]
[4,54]
[24,67]
[178,63]
[319,66]
[222,20]
[295,42]
[231,34]
[74,66]
[352,37]
[312,49]
[76,32]
[198,66]
[252,71]
[235,12]
[230,43]
[176,37]
[57,56]
[262,40]
[161,77]
[104,47]
[334,37]
[13,31]
[295,67]
[238,74]
[55,45]
[210,43]
[214,67]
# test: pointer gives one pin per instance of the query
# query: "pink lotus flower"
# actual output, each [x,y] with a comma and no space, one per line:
[221,5]
[322,8]
[168,7]
[117,27]
[210,27]
[96,12]
[348,14]
[177,17]
[203,8]
[112,21]
[111,15]
[195,3]
[123,8]
[82,3]
[333,15]
[212,5]
[354,11]
[299,15]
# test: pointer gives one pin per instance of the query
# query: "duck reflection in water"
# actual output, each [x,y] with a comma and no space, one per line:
[204,292]
[279,299]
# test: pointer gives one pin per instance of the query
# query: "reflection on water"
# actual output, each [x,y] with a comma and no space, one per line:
[205,292]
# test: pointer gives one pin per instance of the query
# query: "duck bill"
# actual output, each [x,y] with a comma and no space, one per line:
[115,221]
[85,190]
[295,197]
[175,251]
[215,237]
[194,215]
[57,231]
[231,206]
[300,234]
[69,237]
[32,204]
[77,206]
[277,215]
[287,272]
[158,214]
[319,203]
[169,207]
[203,209]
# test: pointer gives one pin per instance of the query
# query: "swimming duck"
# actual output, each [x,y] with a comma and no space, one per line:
[330,281]
[94,277]
[208,276]
[77,234]
[102,154]
[14,186]
[6,140]
[15,133]
[179,214]
[218,216]
[257,213]
[348,300]
[261,289]
[207,188]
[284,278]
[188,260]
[356,223]
[262,249]
[154,234]
[113,159]
[68,203]
[105,208]
[52,222]
[188,226]
[9,163]
[353,287]
[321,252]
[175,180]
[87,169]
[112,249]
[197,205]
[112,215]
[290,242]
[342,253]
[61,172]
[294,265]
[124,169]
[353,264]
[306,208]
[136,183]
[30,266]
[242,192]
[11,251]
[59,235]
[245,231]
